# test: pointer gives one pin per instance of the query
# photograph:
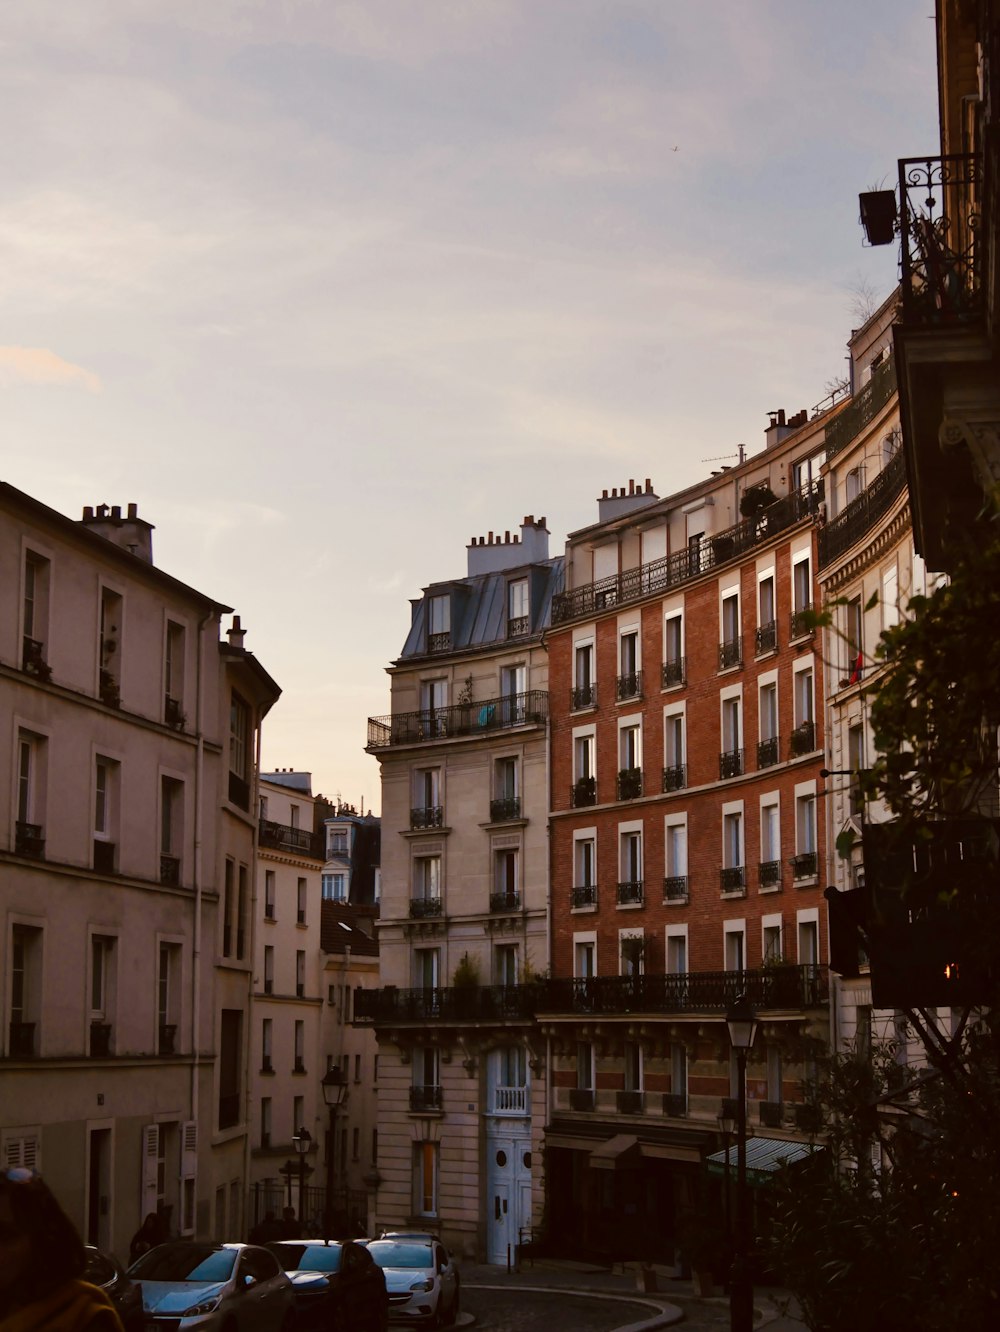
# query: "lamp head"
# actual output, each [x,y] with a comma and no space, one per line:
[742,1023]
[334,1086]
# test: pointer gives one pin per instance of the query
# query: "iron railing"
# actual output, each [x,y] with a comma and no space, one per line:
[805,865]
[858,518]
[784,987]
[672,570]
[170,870]
[581,1098]
[630,1102]
[29,840]
[530,708]
[767,637]
[730,763]
[731,653]
[583,792]
[426,1098]
[583,696]
[771,1113]
[943,257]
[508,900]
[584,895]
[422,908]
[674,672]
[21,1040]
[803,739]
[439,642]
[33,658]
[504,809]
[629,783]
[769,873]
[167,1039]
[733,879]
[518,627]
[801,622]
[628,686]
[768,752]
[283,837]
[675,777]
[675,1105]
[630,893]
[675,888]
[427,816]
[862,408]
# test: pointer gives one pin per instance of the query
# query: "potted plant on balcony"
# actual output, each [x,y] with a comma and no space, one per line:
[756,498]
[465,982]
[464,701]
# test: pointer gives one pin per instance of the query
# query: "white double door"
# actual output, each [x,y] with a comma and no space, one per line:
[508,1190]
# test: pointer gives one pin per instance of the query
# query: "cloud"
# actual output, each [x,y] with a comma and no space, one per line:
[38,365]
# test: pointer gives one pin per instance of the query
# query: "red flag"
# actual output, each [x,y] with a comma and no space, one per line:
[857,669]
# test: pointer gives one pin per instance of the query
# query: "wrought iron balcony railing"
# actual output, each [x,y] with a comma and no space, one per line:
[630,1102]
[581,1098]
[29,840]
[427,816]
[629,783]
[585,895]
[731,763]
[803,739]
[505,809]
[239,791]
[862,408]
[583,792]
[769,873]
[100,1040]
[771,1113]
[530,708]
[731,653]
[283,837]
[167,1039]
[630,893]
[733,879]
[628,686]
[674,672]
[775,987]
[508,900]
[33,658]
[170,870]
[423,908]
[768,752]
[519,626]
[854,522]
[682,566]
[426,1098]
[800,623]
[675,888]
[21,1040]
[943,254]
[675,1105]
[767,637]
[583,696]
[675,777]
[439,642]
[805,865]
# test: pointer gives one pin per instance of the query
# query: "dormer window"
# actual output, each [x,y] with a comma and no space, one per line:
[518,620]
[439,624]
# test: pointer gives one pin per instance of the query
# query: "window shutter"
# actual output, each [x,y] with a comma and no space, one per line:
[22,1152]
[189,1149]
[150,1156]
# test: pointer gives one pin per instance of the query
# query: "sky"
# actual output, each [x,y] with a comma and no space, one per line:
[331,287]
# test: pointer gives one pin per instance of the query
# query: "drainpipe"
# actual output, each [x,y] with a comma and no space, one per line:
[198,879]
[251,951]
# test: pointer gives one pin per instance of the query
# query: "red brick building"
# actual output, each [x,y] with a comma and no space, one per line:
[687,845]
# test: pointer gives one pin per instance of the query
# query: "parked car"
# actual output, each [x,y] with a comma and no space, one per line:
[104,1270]
[188,1285]
[421,1278]
[337,1285]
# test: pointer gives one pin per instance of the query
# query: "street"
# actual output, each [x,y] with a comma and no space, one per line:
[539,1311]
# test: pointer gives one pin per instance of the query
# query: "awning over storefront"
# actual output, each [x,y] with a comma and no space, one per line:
[764,1157]
[615,1151]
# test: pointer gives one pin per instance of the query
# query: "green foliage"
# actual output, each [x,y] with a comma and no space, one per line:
[757,498]
[466,973]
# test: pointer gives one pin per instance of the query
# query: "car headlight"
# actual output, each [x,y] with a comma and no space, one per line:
[428,1284]
[206,1306]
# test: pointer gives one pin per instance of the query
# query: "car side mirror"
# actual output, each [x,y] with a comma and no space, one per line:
[249,1280]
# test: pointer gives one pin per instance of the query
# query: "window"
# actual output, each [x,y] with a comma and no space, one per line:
[675,849]
[173,675]
[425,1171]
[632,952]
[111,646]
[584,781]
[25,991]
[265,1121]
[505,879]
[805,824]
[770,845]
[584,871]
[35,616]
[808,943]
[439,624]
[767,634]
[298,1113]
[269,894]
[890,597]
[268,969]
[300,901]
[300,972]
[518,621]
[506,802]
[585,1066]
[266,1052]
[803,739]
[338,842]
[854,640]
[242,907]
[105,815]
[230,1069]
[629,761]
[171,829]
[168,993]
[426,811]
[731,646]
[633,1066]
[334,887]
[774,1075]
[735,942]
[731,757]
[805,473]
[584,959]
[767,720]
[771,943]
[674,770]
[513,687]
[673,650]
[505,964]
[630,862]
[854,483]
[732,873]
[629,677]
[695,552]
[426,968]
[427,878]
[679,1078]
[29,831]
[425,1092]
[584,689]
[676,953]
[801,596]
[239,751]
[299,1065]
[856,763]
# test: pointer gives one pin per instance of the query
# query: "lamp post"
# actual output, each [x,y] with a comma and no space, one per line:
[303,1141]
[334,1086]
[727,1127]
[742,1023]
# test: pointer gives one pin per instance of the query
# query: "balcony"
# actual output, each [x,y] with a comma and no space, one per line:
[682,566]
[229,1110]
[33,659]
[630,893]
[629,1102]
[461,1003]
[771,1113]
[767,638]
[675,888]
[859,517]
[583,896]
[769,874]
[861,409]
[239,791]
[803,739]
[583,792]
[510,1101]
[105,857]
[730,763]
[519,626]
[628,686]
[508,900]
[629,783]
[530,708]
[675,1105]
[801,622]
[167,1039]
[426,908]
[505,809]
[943,250]
[110,690]
[805,866]
[29,840]
[674,672]
[21,1040]
[427,816]
[423,1099]
[731,653]
[581,1098]
[170,870]
[439,642]
[733,879]
[768,752]
[583,696]
[808,1117]
[100,1040]
[283,837]
[675,777]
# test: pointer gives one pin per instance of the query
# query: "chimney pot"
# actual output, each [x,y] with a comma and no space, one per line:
[88,512]
[649,485]
[133,511]
[631,486]
[490,538]
[604,493]
[116,511]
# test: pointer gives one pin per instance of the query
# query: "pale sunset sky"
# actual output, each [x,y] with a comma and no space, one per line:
[329,287]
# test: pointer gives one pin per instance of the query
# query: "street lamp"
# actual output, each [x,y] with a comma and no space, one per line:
[727,1127]
[334,1086]
[303,1141]
[742,1023]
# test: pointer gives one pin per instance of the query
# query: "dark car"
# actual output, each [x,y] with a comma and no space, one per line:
[222,1287]
[338,1288]
[104,1270]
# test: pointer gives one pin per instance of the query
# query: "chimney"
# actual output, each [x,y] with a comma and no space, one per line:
[131,533]
[622,500]
[236,633]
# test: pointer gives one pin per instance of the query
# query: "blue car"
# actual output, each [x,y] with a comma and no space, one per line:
[189,1286]
[338,1288]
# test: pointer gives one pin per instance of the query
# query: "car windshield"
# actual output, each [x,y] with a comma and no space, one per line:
[99,1270]
[185,1262]
[387,1253]
[308,1257]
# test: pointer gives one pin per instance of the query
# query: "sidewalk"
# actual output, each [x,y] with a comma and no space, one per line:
[675,1299]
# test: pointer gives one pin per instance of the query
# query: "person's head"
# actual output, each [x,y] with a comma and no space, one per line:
[39,1245]
[151,1225]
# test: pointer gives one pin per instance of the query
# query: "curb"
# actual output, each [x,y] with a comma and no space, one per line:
[666,1314]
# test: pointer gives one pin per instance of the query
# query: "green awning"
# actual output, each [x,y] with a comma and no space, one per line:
[764,1157]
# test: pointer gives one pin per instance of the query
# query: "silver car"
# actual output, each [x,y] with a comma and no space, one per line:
[421,1279]
[187,1285]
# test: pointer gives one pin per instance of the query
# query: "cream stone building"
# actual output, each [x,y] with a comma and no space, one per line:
[463,926]
[129,732]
